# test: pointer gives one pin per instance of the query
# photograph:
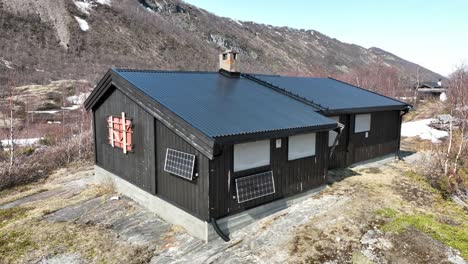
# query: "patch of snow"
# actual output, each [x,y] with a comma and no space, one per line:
[238,22]
[6,63]
[84,7]
[44,112]
[150,10]
[104,2]
[54,122]
[443,97]
[21,142]
[78,99]
[39,70]
[406,98]
[422,129]
[73,107]
[83,24]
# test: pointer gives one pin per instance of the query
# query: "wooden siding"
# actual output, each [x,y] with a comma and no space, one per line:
[191,196]
[338,159]
[355,147]
[291,177]
[138,166]
[382,139]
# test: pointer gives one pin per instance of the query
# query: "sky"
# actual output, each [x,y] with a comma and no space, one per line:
[431,33]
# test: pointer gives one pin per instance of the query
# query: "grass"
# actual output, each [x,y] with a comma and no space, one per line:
[14,244]
[455,236]
[446,221]
[11,214]
[387,212]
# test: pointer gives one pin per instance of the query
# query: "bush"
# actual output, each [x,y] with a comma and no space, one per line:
[30,167]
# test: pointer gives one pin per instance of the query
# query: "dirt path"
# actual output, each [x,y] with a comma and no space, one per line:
[67,219]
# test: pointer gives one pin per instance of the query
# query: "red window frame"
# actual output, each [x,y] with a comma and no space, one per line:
[120,132]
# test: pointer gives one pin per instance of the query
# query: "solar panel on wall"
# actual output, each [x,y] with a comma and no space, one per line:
[179,163]
[255,186]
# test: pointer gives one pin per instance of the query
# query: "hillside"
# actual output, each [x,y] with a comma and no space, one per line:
[48,40]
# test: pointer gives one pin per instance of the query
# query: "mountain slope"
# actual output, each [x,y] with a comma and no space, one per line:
[46,40]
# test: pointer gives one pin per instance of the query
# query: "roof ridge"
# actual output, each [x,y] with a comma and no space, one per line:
[355,86]
[160,71]
[285,92]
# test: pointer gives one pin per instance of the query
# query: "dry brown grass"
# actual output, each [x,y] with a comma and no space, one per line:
[104,188]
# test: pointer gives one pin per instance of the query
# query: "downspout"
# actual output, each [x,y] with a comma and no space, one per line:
[219,231]
[338,130]
[405,111]
[218,151]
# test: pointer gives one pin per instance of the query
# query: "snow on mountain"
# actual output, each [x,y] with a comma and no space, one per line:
[83,24]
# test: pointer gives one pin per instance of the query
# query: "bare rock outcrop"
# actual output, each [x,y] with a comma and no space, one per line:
[50,11]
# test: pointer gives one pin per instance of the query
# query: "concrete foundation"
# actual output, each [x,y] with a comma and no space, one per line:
[170,213]
[375,162]
[194,226]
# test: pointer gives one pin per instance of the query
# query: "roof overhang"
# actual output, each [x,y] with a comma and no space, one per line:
[365,110]
[247,137]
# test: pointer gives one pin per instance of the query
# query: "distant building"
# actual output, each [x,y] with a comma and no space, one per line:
[432,89]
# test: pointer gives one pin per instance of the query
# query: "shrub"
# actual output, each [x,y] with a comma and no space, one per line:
[43,161]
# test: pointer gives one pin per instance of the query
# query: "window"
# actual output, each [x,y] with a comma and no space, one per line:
[362,123]
[301,146]
[333,134]
[251,155]
[120,132]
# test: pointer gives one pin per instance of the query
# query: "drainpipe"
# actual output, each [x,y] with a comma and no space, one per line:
[405,111]
[338,130]
[219,231]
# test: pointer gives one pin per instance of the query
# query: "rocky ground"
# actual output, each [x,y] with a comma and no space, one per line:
[374,214]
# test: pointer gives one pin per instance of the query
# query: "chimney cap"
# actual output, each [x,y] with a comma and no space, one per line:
[230,51]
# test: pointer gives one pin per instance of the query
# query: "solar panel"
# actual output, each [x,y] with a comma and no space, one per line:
[179,163]
[255,186]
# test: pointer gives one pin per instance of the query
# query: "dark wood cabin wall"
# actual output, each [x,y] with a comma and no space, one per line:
[383,137]
[338,159]
[192,196]
[137,167]
[291,177]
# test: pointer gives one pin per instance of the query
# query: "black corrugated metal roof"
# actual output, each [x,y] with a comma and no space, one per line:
[221,106]
[331,94]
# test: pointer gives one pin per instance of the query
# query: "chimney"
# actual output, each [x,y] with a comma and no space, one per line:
[439,83]
[228,63]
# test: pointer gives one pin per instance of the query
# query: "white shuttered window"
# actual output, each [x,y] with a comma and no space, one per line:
[362,123]
[301,146]
[251,155]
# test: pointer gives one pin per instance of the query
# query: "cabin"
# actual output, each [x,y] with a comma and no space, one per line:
[200,148]
[372,122]
[432,89]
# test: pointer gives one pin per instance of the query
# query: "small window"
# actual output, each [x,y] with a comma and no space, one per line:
[333,134]
[120,132]
[301,146]
[251,155]
[362,123]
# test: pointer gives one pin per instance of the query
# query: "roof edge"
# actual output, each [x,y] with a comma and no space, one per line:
[388,97]
[270,134]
